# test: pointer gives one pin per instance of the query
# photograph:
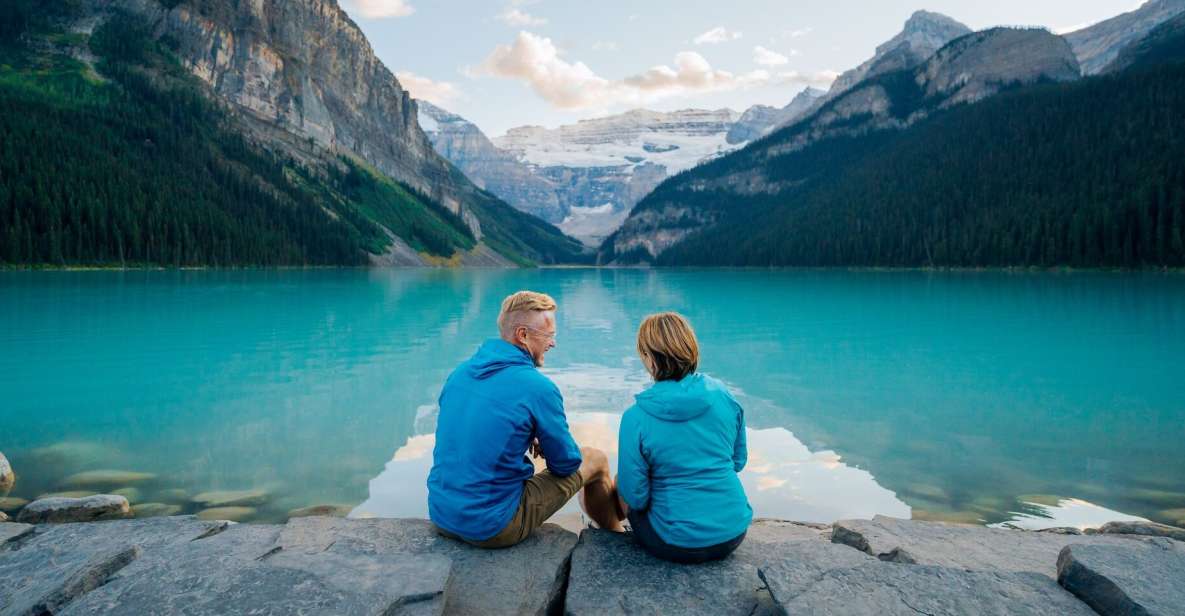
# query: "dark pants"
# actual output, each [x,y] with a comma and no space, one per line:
[648,538]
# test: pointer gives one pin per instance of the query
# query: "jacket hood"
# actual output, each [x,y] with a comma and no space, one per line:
[495,355]
[676,400]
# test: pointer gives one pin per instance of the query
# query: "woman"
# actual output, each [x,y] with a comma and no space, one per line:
[681,447]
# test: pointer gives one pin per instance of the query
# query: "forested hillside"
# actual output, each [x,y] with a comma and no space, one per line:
[112,154]
[1084,174]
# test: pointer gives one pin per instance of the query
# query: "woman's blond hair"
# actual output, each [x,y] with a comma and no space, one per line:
[668,346]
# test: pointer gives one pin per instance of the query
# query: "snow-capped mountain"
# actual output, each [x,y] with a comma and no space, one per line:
[585,177]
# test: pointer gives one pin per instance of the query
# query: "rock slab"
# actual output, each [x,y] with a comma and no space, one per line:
[58,510]
[822,578]
[10,531]
[960,546]
[57,564]
[243,571]
[611,574]
[1142,578]
[525,579]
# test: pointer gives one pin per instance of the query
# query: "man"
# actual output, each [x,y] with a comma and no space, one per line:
[483,489]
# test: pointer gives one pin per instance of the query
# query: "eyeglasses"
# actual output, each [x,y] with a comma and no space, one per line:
[546,335]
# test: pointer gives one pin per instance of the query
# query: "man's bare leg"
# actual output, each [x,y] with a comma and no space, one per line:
[599,496]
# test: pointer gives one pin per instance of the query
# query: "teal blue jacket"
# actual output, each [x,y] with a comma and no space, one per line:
[681,447]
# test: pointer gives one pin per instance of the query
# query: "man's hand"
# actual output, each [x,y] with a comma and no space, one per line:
[536,450]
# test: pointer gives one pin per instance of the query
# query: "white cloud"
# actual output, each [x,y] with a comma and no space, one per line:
[719,34]
[766,57]
[536,61]
[820,79]
[801,32]
[518,18]
[605,46]
[380,9]
[436,92]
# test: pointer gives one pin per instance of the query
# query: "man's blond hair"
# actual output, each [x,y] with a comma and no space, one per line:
[668,343]
[518,308]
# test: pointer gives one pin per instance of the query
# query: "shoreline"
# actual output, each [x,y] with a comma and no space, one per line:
[173,565]
[788,268]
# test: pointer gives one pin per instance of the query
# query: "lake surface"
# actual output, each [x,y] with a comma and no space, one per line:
[1026,399]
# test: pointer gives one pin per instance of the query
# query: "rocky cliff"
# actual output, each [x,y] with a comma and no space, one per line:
[924,33]
[304,79]
[1099,45]
[488,166]
[760,120]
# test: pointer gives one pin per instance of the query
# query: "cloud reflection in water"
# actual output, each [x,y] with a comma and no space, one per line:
[783,479]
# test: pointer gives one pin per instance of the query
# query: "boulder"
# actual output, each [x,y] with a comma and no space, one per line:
[1144,578]
[155,510]
[12,530]
[11,504]
[332,511]
[610,574]
[7,477]
[241,570]
[3,517]
[231,498]
[821,578]
[57,564]
[67,494]
[1147,529]
[525,579]
[103,479]
[958,546]
[63,510]
[233,514]
[175,496]
[132,494]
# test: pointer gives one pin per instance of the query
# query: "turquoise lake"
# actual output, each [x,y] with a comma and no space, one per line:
[1030,399]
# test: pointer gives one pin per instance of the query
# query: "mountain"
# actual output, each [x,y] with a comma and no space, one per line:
[317,118]
[1098,45]
[759,120]
[967,70]
[1164,45]
[487,165]
[924,33]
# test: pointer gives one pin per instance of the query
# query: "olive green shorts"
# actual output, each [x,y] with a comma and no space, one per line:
[543,495]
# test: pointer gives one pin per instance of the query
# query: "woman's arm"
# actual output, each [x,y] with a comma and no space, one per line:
[740,448]
[633,471]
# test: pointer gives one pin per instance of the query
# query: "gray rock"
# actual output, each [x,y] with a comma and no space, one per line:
[1147,529]
[611,575]
[12,530]
[332,511]
[819,578]
[525,579]
[242,571]
[155,510]
[1144,578]
[232,498]
[58,510]
[7,477]
[57,564]
[961,546]
[105,478]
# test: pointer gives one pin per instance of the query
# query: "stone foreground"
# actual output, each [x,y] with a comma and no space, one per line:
[323,565]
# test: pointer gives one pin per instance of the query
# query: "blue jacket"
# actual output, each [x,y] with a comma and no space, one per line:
[491,407]
[681,447]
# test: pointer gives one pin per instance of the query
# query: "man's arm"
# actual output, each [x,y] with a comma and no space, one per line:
[558,447]
[633,471]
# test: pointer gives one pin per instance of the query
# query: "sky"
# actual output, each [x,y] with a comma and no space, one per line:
[508,63]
